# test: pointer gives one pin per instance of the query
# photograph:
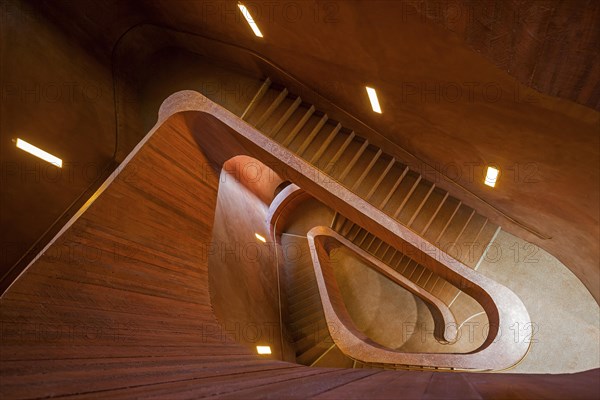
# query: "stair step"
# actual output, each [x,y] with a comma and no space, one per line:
[367,170]
[453,231]
[345,227]
[267,124]
[296,270]
[357,155]
[409,190]
[380,246]
[431,283]
[485,238]
[312,336]
[388,187]
[370,239]
[310,304]
[353,232]
[280,120]
[298,296]
[441,221]
[429,211]
[403,186]
[272,107]
[333,358]
[310,355]
[380,179]
[302,282]
[427,277]
[382,250]
[291,135]
[257,98]
[357,165]
[322,146]
[447,293]
[415,202]
[281,134]
[332,167]
[416,275]
[463,250]
[386,163]
[410,269]
[388,254]
[407,266]
[313,133]
[305,323]
[395,258]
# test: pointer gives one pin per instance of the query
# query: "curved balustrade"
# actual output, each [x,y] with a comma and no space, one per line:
[445,323]
[500,353]
[501,305]
[139,315]
[504,308]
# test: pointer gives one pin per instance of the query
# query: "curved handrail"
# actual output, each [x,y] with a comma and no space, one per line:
[501,305]
[498,354]
[446,327]
[212,125]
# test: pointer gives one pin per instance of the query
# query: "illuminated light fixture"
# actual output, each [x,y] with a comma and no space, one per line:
[261,238]
[374,100]
[250,20]
[31,149]
[491,176]
[263,349]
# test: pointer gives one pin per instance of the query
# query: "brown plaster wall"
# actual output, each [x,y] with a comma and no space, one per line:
[57,96]
[242,270]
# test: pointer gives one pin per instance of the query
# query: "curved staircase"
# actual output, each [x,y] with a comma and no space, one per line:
[377,177]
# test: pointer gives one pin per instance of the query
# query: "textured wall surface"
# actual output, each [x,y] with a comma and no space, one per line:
[119,306]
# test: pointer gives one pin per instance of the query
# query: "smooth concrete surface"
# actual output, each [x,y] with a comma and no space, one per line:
[566,317]
[58,97]
[242,269]
[392,316]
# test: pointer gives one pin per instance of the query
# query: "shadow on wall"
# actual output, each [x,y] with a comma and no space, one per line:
[242,268]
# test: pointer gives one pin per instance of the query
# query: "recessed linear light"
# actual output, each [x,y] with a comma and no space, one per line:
[31,149]
[263,349]
[374,100]
[491,176]
[260,237]
[250,20]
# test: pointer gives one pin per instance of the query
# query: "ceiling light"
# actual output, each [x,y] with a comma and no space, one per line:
[31,149]
[261,238]
[250,20]
[491,176]
[374,100]
[263,349]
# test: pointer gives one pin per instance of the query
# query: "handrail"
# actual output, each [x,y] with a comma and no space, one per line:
[498,354]
[502,306]
[212,125]
[446,327]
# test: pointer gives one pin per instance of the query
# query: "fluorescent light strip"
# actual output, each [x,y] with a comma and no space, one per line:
[260,237]
[31,149]
[491,176]
[374,100]
[263,349]
[250,20]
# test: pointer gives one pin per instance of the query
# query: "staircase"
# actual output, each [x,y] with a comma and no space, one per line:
[401,263]
[312,341]
[370,173]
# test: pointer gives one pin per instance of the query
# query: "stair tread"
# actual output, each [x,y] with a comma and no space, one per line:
[380,179]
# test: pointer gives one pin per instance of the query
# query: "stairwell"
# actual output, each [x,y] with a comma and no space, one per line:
[310,334]
[380,179]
